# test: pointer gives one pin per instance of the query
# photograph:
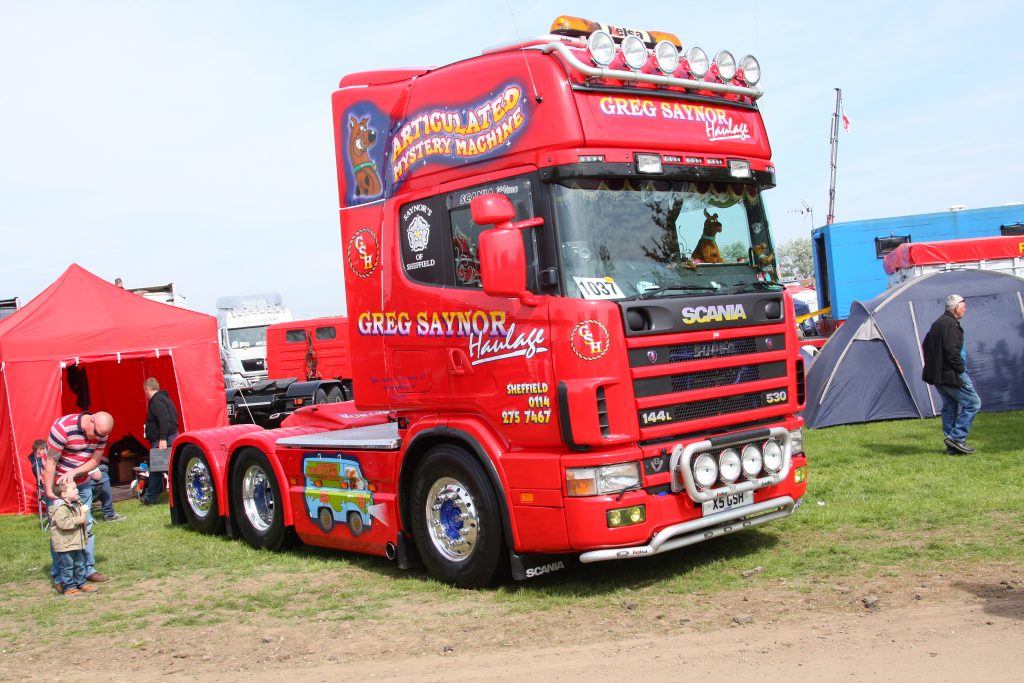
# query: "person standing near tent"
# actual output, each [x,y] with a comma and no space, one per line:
[74,449]
[945,368]
[161,430]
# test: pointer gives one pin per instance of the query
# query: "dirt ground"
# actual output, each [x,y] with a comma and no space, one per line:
[956,625]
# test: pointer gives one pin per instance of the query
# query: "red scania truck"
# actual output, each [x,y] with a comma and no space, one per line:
[566,335]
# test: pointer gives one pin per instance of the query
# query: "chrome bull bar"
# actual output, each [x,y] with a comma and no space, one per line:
[703,529]
[682,473]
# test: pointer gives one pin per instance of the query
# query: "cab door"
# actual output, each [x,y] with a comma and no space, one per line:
[498,349]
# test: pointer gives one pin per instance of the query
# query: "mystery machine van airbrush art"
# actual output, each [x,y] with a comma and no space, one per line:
[336,492]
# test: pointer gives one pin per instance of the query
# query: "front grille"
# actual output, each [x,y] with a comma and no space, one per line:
[699,410]
[253,364]
[602,412]
[716,349]
[719,348]
[716,378]
[706,379]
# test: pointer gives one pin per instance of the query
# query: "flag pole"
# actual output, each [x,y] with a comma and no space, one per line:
[832,166]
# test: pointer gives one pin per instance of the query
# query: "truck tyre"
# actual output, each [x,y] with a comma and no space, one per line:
[325,516]
[320,396]
[257,503]
[198,496]
[454,517]
[335,395]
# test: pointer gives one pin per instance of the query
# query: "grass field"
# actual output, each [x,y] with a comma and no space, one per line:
[882,498]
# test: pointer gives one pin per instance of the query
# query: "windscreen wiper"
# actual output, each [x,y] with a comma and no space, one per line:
[676,288]
[756,284]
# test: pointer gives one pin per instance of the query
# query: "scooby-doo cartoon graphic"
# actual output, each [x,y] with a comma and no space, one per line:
[360,139]
[707,249]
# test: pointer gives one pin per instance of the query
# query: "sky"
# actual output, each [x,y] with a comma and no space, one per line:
[190,141]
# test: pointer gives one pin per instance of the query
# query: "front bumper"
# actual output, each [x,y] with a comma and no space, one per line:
[702,529]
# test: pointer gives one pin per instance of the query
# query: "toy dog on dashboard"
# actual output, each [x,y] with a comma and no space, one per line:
[707,249]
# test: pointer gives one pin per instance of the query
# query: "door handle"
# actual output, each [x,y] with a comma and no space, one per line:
[458,362]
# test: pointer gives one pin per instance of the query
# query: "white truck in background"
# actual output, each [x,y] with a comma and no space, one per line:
[8,306]
[165,294]
[242,323]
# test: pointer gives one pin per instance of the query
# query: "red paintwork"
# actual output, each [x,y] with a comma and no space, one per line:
[409,356]
[288,358]
[953,251]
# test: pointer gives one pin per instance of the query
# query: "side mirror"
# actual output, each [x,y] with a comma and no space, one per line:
[500,249]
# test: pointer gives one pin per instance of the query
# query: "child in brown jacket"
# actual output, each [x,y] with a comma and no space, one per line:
[67,534]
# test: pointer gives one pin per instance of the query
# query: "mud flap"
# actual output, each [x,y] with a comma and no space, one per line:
[532,565]
[405,553]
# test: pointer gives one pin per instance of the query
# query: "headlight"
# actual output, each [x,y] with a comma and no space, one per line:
[667,57]
[592,481]
[729,465]
[634,51]
[772,456]
[796,441]
[705,470]
[751,461]
[697,62]
[751,70]
[726,66]
[601,48]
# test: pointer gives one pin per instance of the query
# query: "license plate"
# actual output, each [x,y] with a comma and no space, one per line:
[733,500]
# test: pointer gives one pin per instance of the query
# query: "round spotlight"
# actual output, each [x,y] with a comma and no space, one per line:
[729,465]
[751,70]
[667,57]
[696,62]
[601,48]
[752,461]
[705,471]
[635,52]
[772,456]
[726,64]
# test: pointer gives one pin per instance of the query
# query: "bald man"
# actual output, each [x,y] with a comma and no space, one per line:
[74,449]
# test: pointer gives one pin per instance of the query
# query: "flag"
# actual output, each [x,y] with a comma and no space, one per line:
[846,119]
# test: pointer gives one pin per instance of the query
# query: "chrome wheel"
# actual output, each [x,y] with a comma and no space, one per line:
[258,498]
[198,487]
[452,519]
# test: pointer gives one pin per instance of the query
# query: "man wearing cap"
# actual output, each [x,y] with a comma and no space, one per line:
[945,367]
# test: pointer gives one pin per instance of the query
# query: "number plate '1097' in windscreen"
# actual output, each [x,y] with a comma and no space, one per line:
[728,502]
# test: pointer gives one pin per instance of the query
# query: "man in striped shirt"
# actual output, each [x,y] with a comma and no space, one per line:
[75,448]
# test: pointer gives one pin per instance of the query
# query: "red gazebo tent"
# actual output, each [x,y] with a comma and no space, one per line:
[115,339]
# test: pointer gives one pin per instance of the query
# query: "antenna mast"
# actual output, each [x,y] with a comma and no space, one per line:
[832,165]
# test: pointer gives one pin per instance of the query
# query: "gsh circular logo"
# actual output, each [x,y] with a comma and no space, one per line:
[589,340]
[363,252]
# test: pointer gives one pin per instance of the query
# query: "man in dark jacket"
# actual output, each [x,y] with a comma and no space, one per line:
[161,430]
[945,367]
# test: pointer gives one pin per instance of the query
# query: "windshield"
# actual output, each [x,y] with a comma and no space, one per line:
[246,337]
[624,238]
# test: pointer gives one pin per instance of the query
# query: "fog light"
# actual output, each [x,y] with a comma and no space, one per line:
[739,168]
[705,470]
[696,62]
[648,163]
[726,64]
[751,70]
[752,461]
[729,465]
[634,52]
[667,57]
[800,474]
[601,48]
[772,456]
[634,514]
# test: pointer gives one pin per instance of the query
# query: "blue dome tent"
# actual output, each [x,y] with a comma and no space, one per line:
[871,367]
